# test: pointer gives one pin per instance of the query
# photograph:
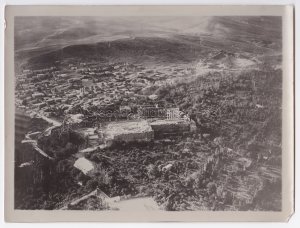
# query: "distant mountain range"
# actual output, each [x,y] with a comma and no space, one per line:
[42,40]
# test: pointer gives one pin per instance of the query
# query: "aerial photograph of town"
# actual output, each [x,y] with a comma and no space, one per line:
[148,113]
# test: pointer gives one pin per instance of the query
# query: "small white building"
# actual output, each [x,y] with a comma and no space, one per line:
[84,165]
[36,95]
[153,97]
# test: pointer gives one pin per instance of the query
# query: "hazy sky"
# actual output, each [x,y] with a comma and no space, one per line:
[46,31]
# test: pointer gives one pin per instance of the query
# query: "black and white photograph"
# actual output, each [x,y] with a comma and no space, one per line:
[148,113]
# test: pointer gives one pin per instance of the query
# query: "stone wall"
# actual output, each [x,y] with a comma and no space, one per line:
[129,137]
[170,127]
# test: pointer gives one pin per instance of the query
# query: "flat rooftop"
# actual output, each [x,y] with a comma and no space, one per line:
[127,127]
[84,165]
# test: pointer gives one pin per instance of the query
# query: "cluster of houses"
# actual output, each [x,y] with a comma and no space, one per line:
[49,89]
[55,90]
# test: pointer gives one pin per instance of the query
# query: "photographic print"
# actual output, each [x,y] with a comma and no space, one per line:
[148,113]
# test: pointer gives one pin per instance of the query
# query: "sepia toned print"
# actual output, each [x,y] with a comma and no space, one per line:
[150,114]
[182,112]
